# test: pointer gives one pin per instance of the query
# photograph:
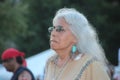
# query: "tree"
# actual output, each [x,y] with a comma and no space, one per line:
[40,18]
[13,22]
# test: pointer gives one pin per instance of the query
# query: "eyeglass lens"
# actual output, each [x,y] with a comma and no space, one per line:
[58,29]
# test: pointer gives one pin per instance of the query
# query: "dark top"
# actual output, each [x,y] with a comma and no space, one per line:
[19,71]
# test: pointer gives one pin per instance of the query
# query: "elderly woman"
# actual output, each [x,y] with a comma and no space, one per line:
[79,55]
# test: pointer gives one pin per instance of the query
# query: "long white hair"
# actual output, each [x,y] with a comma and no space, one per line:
[87,39]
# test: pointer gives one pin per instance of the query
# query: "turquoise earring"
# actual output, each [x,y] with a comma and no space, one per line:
[74,49]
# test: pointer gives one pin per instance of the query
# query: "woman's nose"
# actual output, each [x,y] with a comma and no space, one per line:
[54,32]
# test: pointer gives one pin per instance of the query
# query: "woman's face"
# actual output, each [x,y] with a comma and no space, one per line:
[61,37]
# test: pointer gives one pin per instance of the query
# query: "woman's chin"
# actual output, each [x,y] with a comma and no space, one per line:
[53,47]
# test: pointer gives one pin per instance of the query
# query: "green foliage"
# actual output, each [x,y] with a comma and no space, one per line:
[13,22]
[40,18]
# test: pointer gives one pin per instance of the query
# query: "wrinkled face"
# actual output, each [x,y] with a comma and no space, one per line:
[9,64]
[61,37]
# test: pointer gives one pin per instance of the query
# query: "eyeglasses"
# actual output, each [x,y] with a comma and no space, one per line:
[57,28]
[7,60]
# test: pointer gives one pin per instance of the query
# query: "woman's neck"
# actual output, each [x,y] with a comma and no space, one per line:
[64,53]
[61,60]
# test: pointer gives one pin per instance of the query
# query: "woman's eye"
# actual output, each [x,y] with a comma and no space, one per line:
[59,29]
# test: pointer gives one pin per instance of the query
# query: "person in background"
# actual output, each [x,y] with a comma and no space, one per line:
[79,56]
[13,60]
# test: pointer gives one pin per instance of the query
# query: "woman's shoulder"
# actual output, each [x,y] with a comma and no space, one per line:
[84,56]
[88,59]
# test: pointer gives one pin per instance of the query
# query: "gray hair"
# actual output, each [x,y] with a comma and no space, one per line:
[87,39]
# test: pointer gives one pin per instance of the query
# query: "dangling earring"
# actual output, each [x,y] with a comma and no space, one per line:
[74,49]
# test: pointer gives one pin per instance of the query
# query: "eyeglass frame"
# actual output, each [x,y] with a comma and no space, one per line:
[57,28]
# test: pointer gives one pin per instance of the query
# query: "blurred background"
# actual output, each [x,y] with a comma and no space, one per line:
[24,23]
